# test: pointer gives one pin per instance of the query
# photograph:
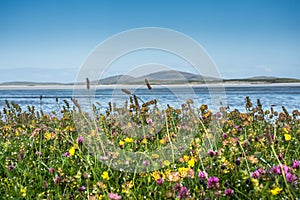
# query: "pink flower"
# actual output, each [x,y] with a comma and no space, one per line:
[213,182]
[277,169]
[56,179]
[212,153]
[184,192]
[51,170]
[202,175]
[149,121]
[81,189]
[67,154]
[177,187]
[256,174]
[229,192]
[80,140]
[160,181]
[292,178]
[296,164]
[114,196]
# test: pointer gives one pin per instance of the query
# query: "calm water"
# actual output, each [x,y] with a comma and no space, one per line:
[288,96]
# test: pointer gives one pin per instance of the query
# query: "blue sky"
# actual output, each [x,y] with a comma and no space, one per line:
[49,40]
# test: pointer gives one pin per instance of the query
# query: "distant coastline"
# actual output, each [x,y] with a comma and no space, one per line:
[169,78]
[112,86]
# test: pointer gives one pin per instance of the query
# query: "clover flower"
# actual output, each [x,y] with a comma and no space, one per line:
[277,169]
[81,189]
[212,153]
[184,192]
[213,182]
[56,179]
[202,175]
[291,178]
[296,164]
[114,196]
[51,170]
[160,181]
[80,140]
[67,154]
[228,192]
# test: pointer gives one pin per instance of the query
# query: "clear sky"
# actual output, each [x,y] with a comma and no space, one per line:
[49,40]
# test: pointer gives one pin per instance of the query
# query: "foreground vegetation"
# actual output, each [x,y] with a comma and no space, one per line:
[231,154]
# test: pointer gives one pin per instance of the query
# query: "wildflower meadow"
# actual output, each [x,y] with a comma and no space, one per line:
[249,154]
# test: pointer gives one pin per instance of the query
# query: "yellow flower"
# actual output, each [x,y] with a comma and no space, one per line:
[75,146]
[166,162]
[121,143]
[128,140]
[72,151]
[162,141]
[186,158]
[156,175]
[155,156]
[287,137]
[23,191]
[183,172]
[276,191]
[191,162]
[255,182]
[144,141]
[105,175]
[48,136]
[284,130]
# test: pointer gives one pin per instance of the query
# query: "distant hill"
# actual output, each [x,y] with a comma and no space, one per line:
[166,77]
[161,77]
[115,79]
[264,79]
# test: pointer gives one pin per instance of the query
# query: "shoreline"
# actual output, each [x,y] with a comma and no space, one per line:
[71,87]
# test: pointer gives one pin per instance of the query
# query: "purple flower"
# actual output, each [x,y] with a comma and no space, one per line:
[202,175]
[277,169]
[51,170]
[160,181]
[11,168]
[224,135]
[80,140]
[238,161]
[67,154]
[280,157]
[296,164]
[146,163]
[56,179]
[38,153]
[176,187]
[213,182]
[229,192]
[261,171]
[212,153]
[81,189]
[238,128]
[255,174]
[149,121]
[292,178]
[184,192]
[114,196]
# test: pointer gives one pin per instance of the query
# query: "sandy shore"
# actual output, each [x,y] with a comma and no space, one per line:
[63,87]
